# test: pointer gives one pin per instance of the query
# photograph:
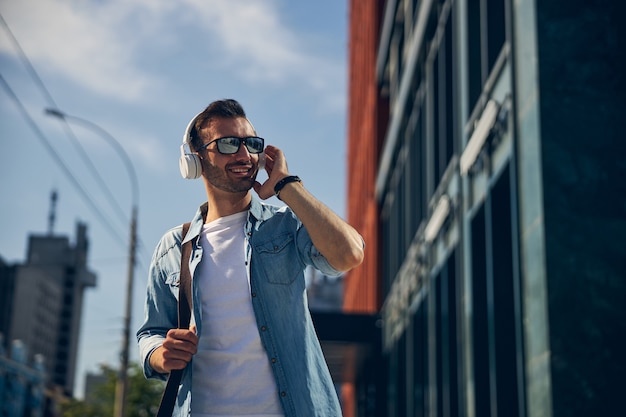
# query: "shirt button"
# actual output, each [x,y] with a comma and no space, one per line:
[275,247]
[263,328]
[283,394]
[253,294]
[274,360]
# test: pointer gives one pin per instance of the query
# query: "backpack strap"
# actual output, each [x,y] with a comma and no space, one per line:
[166,407]
[184,289]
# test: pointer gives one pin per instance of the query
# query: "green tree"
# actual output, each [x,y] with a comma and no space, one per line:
[142,397]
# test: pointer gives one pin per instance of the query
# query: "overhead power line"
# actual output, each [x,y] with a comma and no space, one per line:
[68,130]
[55,156]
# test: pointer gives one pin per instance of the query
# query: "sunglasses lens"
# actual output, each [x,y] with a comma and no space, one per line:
[254,144]
[228,146]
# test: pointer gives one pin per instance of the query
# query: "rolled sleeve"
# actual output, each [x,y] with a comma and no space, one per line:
[147,345]
[314,257]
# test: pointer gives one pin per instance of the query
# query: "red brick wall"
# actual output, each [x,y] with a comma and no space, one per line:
[362,285]
[362,293]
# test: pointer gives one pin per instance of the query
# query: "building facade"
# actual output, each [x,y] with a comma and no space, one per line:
[44,305]
[486,178]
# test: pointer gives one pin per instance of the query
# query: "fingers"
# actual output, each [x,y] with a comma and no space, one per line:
[178,348]
[276,168]
[181,340]
[274,160]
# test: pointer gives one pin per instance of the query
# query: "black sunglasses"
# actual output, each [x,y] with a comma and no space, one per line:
[230,144]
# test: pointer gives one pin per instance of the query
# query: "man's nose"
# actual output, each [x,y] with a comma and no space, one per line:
[242,152]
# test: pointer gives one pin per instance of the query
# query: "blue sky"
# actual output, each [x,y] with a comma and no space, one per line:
[141,69]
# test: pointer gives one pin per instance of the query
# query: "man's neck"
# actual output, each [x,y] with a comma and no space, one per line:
[222,204]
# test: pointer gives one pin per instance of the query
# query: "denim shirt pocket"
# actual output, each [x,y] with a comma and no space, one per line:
[279,259]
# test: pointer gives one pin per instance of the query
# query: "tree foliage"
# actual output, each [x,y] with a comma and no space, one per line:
[142,397]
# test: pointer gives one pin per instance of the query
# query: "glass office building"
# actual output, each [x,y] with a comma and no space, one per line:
[486,175]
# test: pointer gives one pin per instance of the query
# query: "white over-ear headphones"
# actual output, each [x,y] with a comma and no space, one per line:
[189,163]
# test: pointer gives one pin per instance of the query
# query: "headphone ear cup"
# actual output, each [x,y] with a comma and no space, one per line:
[190,166]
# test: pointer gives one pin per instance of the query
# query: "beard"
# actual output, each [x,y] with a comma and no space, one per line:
[220,179]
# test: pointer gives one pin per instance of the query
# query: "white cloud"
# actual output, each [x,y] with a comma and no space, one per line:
[83,44]
[99,44]
[252,34]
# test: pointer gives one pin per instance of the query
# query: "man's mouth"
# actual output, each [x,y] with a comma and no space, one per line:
[241,169]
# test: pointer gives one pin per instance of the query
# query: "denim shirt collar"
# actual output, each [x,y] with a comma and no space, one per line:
[257,213]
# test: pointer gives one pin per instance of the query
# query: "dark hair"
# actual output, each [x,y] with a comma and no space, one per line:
[227,109]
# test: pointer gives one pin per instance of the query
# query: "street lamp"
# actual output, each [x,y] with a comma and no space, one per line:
[121,387]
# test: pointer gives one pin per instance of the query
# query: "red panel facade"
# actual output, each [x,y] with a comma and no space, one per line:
[362,293]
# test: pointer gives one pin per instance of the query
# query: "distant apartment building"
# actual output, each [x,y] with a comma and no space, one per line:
[42,303]
[486,175]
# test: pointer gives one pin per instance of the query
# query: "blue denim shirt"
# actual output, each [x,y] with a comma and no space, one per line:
[278,249]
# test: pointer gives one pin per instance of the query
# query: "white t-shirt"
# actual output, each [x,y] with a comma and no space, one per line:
[231,371]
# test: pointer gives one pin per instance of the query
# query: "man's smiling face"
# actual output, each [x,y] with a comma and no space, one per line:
[231,173]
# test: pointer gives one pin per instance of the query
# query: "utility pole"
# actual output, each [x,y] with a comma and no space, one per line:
[121,388]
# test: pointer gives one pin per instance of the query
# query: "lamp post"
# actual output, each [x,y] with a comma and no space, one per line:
[121,387]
